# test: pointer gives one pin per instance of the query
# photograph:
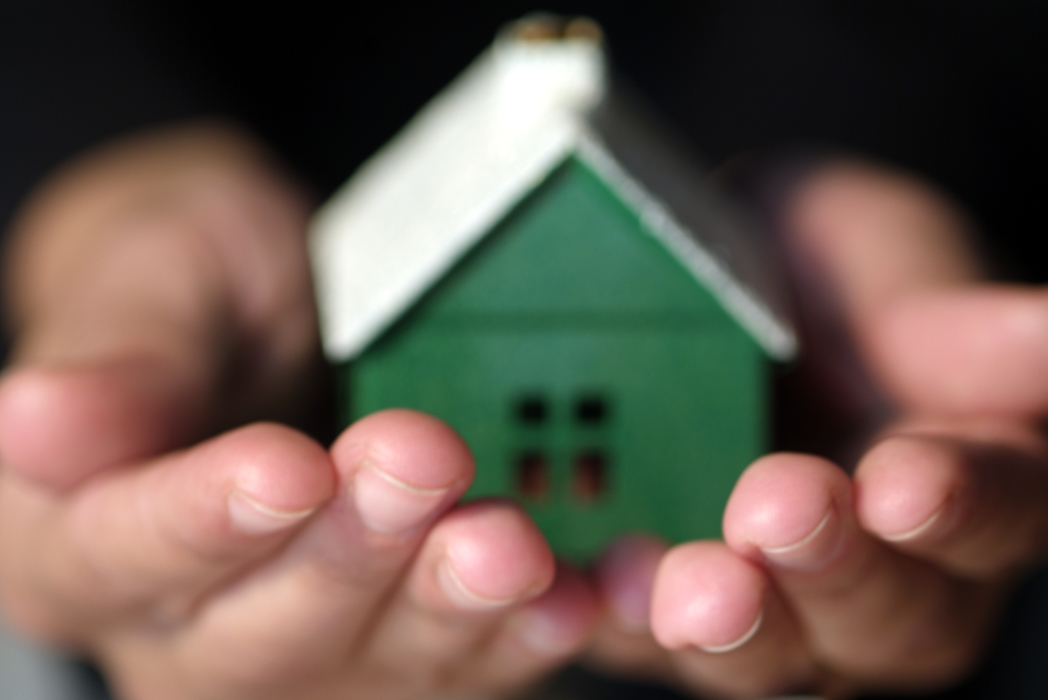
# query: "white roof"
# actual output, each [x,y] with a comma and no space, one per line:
[419,204]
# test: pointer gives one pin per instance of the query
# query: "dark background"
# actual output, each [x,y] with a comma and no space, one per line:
[954,91]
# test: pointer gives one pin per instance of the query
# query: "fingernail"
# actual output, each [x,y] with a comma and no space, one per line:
[542,634]
[921,529]
[253,518]
[388,505]
[732,646]
[463,597]
[813,550]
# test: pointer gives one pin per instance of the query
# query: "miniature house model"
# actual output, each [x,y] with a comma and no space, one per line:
[535,262]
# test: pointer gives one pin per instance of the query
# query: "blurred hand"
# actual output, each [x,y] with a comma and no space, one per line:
[894,577]
[160,294]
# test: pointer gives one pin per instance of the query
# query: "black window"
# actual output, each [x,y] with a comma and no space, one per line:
[591,409]
[531,409]
[589,475]
[532,476]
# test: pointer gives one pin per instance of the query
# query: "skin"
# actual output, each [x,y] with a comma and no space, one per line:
[160,298]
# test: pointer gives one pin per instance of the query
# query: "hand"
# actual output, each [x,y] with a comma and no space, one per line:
[892,578]
[160,293]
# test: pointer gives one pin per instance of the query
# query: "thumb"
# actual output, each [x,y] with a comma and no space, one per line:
[121,363]
[876,236]
[896,258]
[159,290]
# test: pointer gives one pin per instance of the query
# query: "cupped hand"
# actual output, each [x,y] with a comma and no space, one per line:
[160,294]
[891,577]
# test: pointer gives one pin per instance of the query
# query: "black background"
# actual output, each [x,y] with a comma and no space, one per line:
[952,90]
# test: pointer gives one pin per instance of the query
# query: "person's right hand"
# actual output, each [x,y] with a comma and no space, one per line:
[160,294]
[893,577]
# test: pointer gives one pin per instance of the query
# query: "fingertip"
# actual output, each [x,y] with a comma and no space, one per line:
[59,425]
[492,556]
[706,596]
[254,481]
[401,468]
[904,484]
[781,501]
[38,420]
[410,446]
[277,467]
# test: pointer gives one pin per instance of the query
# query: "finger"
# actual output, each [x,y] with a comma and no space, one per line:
[729,629]
[626,575]
[868,611]
[623,644]
[971,505]
[877,235]
[479,563]
[898,258]
[860,240]
[59,425]
[541,636]
[137,284]
[980,350]
[128,541]
[305,613]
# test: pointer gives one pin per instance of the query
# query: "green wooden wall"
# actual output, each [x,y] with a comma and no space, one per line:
[593,378]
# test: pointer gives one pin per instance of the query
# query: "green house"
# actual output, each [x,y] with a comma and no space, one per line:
[534,261]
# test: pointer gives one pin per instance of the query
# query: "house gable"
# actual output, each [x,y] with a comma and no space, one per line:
[571,252]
